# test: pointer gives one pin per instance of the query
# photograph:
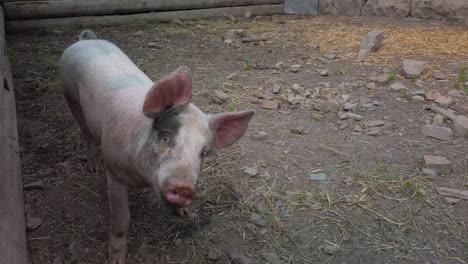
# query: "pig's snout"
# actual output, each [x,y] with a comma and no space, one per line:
[179,195]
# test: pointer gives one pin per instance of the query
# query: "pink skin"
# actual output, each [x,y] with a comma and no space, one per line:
[115,105]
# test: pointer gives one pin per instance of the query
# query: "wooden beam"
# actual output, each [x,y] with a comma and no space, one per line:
[12,227]
[73,8]
[24,25]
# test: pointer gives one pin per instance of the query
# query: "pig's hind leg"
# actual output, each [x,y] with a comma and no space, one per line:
[92,148]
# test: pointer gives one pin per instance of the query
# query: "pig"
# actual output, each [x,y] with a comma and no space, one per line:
[148,133]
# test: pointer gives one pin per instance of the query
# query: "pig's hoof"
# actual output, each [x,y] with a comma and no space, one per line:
[181,212]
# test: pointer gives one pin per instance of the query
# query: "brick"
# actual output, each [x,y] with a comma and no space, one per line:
[438,163]
[442,133]
[272,105]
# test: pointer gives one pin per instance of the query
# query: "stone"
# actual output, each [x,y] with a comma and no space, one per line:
[438,120]
[397,86]
[297,88]
[219,97]
[351,198]
[318,177]
[429,172]
[374,131]
[178,242]
[439,9]
[152,44]
[233,33]
[451,200]
[232,76]
[456,93]
[270,257]
[342,8]
[332,105]
[448,113]
[354,116]
[258,220]
[295,68]
[214,253]
[251,171]
[413,68]
[280,65]
[349,106]
[295,99]
[32,223]
[372,41]
[442,133]
[437,163]
[323,73]
[371,85]
[418,98]
[139,33]
[247,14]
[261,135]
[439,76]
[455,193]
[417,92]
[313,45]
[299,131]
[330,56]
[276,88]
[380,79]
[362,55]
[266,96]
[271,105]
[374,123]
[37,185]
[57,260]
[239,258]
[431,95]
[329,249]
[460,126]
[386,8]
[443,100]
[357,128]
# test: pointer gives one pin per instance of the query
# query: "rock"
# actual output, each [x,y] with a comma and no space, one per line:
[437,163]
[232,76]
[214,253]
[429,172]
[33,223]
[152,44]
[357,128]
[351,198]
[280,65]
[323,73]
[251,171]
[412,68]
[362,55]
[139,33]
[349,106]
[178,242]
[276,88]
[417,92]
[460,126]
[261,135]
[438,120]
[439,76]
[442,133]
[295,99]
[258,220]
[397,86]
[386,8]
[455,193]
[219,97]
[374,123]
[297,88]
[57,260]
[431,95]
[354,116]
[450,114]
[299,131]
[451,200]
[343,8]
[330,56]
[37,185]
[372,41]
[234,33]
[270,257]
[456,93]
[313,45]
[332,105]
[329,249]
[271,105]
[239,258]
[371,85]
[318,177]
[295,68]
[418,98]
[443,100]
[316,206]
[247,14]
[439,9]
[374,131]
[380,79]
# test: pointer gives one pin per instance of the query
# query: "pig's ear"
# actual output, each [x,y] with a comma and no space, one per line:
[229,127]
[171,91]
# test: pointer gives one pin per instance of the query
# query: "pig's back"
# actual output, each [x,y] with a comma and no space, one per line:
[105,82]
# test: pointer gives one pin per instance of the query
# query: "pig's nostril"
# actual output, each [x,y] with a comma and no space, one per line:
[174,192]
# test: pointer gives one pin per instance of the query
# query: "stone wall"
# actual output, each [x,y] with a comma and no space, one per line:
[426,9]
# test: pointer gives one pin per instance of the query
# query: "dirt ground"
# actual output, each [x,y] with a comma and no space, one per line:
[375,205]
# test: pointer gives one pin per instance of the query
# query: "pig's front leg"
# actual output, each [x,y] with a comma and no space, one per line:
[120,218]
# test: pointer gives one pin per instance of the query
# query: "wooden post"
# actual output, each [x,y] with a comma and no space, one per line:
[12,227]
[72,8]
[23,25]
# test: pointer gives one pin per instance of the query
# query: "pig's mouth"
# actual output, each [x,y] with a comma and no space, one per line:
[179,196]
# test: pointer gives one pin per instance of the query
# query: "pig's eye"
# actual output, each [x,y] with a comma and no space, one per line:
[203,154]
[166,139]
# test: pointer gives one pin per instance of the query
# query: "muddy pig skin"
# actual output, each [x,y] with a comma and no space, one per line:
[149,133]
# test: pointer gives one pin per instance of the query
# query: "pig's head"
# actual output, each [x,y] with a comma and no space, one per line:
[170,153]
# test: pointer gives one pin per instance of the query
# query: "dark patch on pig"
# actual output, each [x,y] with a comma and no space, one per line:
[167,124]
